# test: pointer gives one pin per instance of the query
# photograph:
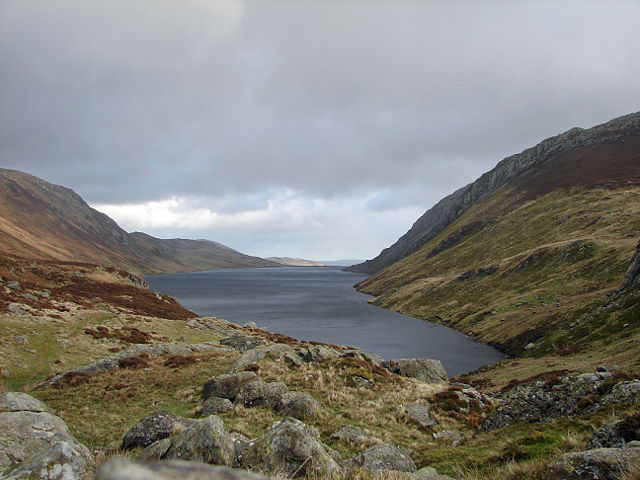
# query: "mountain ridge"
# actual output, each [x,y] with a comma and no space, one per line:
[44,221]
[441,215]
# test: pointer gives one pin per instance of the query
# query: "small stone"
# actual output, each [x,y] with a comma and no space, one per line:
[64,342]
[362,382]
[14,285]
[250,325]
[5,373]
[15,308]
[530,346]
[20,339]
[28,296]
[419,414]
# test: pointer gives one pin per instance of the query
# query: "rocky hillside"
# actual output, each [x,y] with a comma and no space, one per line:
[44,221]
[530,162]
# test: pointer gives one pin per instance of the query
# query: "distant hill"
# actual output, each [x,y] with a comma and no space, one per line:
[527,257]
[295,262]
[44,221]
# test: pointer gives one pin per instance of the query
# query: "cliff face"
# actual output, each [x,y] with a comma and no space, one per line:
[39,220]
[435,220]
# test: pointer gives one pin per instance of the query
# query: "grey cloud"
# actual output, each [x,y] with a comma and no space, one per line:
[132,101]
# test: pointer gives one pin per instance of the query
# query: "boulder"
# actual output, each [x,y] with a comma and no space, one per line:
[290,448]
[418,414]
[204,441]
[298,405]
[152,428]
[37,444]
[21,402]
[318,353]
[354,435]
[227,385]
[15,308]
[256,354]
[600,463]
[623,392]
[123,469]
[216,405]
[259,393]
[380,458]
[424,369]
[59,461]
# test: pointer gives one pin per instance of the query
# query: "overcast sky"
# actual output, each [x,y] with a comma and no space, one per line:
[316,129]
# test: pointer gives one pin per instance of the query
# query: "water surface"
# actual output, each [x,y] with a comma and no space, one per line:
[320,303]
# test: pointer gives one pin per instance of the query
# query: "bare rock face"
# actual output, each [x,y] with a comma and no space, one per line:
[21,402]
[37,444]
[123,469]
[290,448]
[154,427]
[424,369]
[601,463]
[227,385]
[380,458]
[436,219]
[259,394]
[204,441]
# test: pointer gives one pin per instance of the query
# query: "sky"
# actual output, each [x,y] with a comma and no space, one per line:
[313,129]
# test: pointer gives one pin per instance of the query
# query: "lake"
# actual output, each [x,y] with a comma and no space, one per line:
[320,303]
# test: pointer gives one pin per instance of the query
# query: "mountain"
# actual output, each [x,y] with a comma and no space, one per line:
[528,258]
[573,143]
[49,222]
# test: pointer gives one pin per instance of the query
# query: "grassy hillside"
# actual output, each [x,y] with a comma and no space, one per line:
[523,268]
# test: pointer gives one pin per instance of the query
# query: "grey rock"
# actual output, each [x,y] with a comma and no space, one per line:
[250,325]
[99,366]
[123,469]
[227,385]
[204,441]
[21,402]
[59,461]
[318,353]
[381,458]
[13,285]
[242,343]
[43,293]
[15,308]
[354,435]
[29,296]
[20,339]
[5,373]
[293,359]
[419,414]
[429,473]
[259,394]
[64,342]
[154,427]
[254,355]
[155,451]
[607,436]
[298,405]
[423,369]
[601,463]
[291,448]
[240,445]
[624,392]
[216,405]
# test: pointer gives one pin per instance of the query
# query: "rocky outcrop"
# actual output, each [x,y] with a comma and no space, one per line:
[616,434]
[601,463]
[418,414]
[290,448]
[37,444]
[632,277]
[227,385]
[256,354]
[214,405]
[436,219]
[154,427]
[242,343]
[381,458]
[544,399]
[424,369]
[123,469]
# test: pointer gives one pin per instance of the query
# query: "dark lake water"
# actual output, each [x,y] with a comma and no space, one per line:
[320,303]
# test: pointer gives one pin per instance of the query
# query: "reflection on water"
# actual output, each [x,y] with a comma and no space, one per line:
[320,303]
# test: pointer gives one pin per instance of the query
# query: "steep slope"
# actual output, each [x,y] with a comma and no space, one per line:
[530,266]
[451,207]
[49,222]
